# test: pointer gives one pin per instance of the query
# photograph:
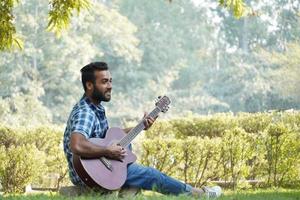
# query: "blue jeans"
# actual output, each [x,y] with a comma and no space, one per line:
[148,178]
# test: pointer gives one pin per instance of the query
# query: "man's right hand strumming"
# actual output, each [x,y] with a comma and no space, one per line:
[116,152]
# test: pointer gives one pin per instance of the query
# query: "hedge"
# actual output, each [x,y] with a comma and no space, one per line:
[234,148]
[28,156]
[194,149]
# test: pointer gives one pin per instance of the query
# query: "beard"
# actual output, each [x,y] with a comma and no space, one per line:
[101,96]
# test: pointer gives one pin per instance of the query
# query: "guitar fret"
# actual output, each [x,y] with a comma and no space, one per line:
[135,131]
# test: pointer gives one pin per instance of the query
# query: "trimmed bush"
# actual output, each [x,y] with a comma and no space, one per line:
[282,148]
[30,155]
[197,150]
[21,164]
[259,146]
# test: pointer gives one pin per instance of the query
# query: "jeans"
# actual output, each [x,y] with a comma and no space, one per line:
[148,178]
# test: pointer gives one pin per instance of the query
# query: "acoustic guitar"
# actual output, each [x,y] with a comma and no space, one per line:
[107,173]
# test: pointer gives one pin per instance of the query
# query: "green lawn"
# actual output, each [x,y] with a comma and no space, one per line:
[280,194]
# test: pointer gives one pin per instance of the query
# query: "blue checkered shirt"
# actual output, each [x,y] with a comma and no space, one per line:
[88,120]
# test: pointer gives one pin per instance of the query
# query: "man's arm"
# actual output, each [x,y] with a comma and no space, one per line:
[82,147]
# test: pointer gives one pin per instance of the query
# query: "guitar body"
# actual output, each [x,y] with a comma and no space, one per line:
[95,174]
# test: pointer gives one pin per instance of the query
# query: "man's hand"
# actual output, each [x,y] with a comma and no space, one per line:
[116,152]
[148,121]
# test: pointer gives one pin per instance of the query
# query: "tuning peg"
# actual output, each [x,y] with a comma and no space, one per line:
[157,99]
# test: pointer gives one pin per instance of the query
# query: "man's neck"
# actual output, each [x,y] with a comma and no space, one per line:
[95,102]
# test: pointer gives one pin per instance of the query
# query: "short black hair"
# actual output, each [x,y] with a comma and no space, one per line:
[88,72]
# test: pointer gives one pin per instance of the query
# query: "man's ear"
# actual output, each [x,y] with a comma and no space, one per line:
[89,85]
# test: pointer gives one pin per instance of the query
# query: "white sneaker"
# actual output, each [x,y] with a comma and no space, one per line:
[212,192]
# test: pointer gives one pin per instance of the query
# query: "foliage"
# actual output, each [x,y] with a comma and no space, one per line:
[34,80]
[282,154]
[49,141]
[196,53]
[60,14]
[257,122]
[236,150]
[8,37]
[285,69]
[232,151]
[237,7]
[17,107]
[22,164]
[209,126]
[30,155]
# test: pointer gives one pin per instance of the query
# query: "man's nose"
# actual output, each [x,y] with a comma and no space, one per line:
[109,85]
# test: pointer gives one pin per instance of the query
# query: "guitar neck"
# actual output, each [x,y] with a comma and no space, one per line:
[136,130]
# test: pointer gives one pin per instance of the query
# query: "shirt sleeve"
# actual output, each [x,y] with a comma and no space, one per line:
[82,122]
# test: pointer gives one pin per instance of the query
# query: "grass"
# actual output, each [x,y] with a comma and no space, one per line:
[276,194]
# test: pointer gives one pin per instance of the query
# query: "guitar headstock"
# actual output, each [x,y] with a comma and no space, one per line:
[163,103]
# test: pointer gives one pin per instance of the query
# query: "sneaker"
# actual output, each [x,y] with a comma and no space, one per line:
[212,192]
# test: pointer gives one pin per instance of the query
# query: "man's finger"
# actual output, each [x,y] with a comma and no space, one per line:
[123,151]
[145,114]
[124,154]
[150,119]
[146,122]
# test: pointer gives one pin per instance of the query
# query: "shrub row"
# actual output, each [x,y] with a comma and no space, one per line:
[215,125]
[197,150]
[261,146]
[29,156]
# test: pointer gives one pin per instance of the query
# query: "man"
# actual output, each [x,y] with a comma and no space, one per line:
[88,120]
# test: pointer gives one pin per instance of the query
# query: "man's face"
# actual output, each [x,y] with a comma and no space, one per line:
[103,86]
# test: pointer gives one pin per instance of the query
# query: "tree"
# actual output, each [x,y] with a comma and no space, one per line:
[195,53]
[284,70]
[34,82]
[60,13]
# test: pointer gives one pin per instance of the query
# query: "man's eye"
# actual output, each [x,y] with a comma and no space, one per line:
[106,81]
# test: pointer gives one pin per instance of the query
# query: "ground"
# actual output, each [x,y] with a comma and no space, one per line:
[269,194]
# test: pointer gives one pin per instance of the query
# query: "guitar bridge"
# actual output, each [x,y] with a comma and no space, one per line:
[106,163]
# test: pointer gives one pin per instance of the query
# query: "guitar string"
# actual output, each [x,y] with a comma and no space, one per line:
[127,140]
[130,136]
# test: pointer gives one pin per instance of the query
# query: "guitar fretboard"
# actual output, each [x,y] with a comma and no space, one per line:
[136,130]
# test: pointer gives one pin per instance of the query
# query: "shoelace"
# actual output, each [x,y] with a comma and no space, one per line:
[212,194]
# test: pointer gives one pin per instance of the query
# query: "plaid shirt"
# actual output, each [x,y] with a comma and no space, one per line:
[88,120]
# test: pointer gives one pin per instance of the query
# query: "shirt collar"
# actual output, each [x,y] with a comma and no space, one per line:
[98,107]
